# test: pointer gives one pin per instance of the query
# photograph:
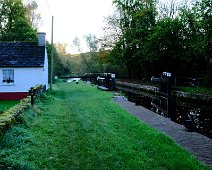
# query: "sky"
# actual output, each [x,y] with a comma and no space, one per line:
[73,18]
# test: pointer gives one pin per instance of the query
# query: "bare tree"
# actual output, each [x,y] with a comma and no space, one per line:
[170,8]
[77,44]
[92,42]
[112,31]
[33,16]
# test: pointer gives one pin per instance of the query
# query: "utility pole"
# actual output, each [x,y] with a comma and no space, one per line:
[52,56]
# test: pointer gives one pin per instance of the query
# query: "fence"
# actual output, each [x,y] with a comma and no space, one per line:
[36,91]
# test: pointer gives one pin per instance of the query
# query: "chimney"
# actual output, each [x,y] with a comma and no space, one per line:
[41,39]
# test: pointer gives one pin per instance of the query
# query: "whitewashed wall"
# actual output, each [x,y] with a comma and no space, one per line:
[25,78]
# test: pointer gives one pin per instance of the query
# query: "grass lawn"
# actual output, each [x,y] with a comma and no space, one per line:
[79,127]
[6,104]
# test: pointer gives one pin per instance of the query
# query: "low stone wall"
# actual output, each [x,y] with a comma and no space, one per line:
[138,87]
[125,86]
[193,96]
[11,116]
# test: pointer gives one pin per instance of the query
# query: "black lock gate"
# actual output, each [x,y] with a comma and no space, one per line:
[164,96]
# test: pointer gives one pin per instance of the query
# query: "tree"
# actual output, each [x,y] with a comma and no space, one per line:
[165,47]
[59,68]
[89,63]
[61,48]
[137,18]
[14,24]
[177,37]
[77,44]
[32,14]
[92,42]
[170,8]
[112,31]
[203,12]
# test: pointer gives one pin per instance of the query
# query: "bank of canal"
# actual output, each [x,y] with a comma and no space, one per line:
[78,126]
[197,144]
[194,111]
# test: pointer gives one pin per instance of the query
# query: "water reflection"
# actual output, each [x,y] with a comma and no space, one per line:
[73,79]
[199,115]
[194,116]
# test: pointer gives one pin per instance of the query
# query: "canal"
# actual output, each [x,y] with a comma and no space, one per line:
[196,115]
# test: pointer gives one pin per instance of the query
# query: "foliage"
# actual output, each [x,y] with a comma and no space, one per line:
[165,46]
[95,61]
[79,64]
[137,19]
[58,68]
[112,32]
[32,14]
[90,133]
[158,38]
[14,25]
[92,42]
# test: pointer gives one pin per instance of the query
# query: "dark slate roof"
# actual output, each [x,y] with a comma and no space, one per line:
[21,54]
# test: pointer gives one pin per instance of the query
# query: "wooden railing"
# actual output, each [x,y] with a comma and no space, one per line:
[36,91]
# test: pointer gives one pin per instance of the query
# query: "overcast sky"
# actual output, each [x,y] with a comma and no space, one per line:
[73,18]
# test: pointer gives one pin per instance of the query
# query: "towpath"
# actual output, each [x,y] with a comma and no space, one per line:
[197,144]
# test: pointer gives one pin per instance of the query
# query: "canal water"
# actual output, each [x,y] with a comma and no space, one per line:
[73,79]
[194,116]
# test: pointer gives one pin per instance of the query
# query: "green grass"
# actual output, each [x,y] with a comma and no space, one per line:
[6,104]
[79,127]
[201,90]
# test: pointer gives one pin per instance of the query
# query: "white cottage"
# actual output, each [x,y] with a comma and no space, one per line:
[22,65]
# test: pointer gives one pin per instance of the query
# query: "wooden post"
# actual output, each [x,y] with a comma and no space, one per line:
[98,81]
[31,91]
[113,84]
[52,62]
[107,80]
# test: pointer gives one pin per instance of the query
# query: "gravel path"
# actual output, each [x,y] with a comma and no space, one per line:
[197,144]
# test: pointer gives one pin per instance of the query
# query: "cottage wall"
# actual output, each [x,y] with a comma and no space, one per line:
[24,79]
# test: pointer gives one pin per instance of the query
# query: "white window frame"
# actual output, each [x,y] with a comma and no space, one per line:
[8,76]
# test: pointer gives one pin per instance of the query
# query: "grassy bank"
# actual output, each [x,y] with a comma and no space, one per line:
[79,127]
[196,90]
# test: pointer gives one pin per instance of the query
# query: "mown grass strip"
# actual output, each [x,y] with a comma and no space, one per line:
[79,127]
[6,104]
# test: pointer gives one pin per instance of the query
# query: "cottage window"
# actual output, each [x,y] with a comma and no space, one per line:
[8,76]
